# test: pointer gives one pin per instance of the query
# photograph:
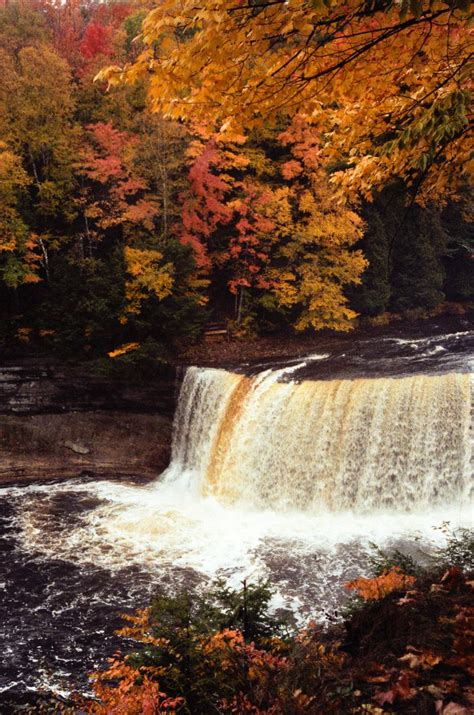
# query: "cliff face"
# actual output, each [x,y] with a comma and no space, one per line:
[34,387]
[55,423]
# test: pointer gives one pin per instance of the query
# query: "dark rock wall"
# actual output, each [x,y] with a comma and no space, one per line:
[36,388]
[59,423]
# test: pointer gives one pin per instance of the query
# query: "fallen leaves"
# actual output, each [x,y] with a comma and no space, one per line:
[417,659]
[400,690]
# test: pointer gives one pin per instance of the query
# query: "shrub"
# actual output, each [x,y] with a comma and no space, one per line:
[404,649]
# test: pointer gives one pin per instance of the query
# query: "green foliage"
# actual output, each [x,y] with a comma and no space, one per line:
[459,550]
[458,263]
[245,328]
[132,27]
[419,243]
[183,626]
[246,609]
[408,249]
[372,297]
[79,309]
[149,359]
[381,561]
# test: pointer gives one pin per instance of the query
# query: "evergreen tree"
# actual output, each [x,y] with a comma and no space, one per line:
[373,295]
[418,245]
[459,259]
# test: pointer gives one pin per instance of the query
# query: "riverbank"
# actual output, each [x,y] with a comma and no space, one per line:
[102,444]
[221,351]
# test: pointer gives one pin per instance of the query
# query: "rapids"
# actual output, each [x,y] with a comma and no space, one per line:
[273,474]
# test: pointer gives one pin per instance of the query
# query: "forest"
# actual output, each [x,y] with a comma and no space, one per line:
[129,223]
[263,170]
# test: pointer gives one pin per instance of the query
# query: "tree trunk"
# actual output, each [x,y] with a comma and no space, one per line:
[45,260]
[240,302]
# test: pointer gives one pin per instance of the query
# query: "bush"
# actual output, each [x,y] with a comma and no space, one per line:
[199,648]
[405,649]
[458,552]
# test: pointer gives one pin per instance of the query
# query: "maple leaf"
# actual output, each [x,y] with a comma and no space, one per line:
[400,690]
[417,659]
[222,66]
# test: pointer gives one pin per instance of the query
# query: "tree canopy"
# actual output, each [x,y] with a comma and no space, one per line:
[386,85]
[265,165]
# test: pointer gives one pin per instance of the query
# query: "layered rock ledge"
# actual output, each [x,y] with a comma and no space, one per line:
[60,424]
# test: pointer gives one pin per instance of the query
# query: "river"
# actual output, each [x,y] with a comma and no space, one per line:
[286,471]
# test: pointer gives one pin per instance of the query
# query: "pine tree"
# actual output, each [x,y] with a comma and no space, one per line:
[373,295]
[419,243]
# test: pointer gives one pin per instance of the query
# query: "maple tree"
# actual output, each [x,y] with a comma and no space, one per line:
[224,219]
[97,40]
[115,195]
[237,64]
[80,32]
[147,274]
[133,696]
[36,106]
[117,198]
[160,158]
[138,226]
[289,240]
[318,237]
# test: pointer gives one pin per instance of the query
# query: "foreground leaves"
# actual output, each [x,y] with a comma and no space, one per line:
[203,667]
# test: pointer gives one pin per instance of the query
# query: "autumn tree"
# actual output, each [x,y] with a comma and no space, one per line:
[80,32]
[19,249]
[160,158]
[116,198]
[275,226]
[223,217]
[316,259]
[37,128]
[36,122]
[121,224]
[21,25]
[115,195]
[237,64]
[90,181]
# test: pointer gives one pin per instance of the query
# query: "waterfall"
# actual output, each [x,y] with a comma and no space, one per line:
[271,477]
[317,446]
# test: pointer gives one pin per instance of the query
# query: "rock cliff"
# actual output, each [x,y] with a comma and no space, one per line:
[56,422]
